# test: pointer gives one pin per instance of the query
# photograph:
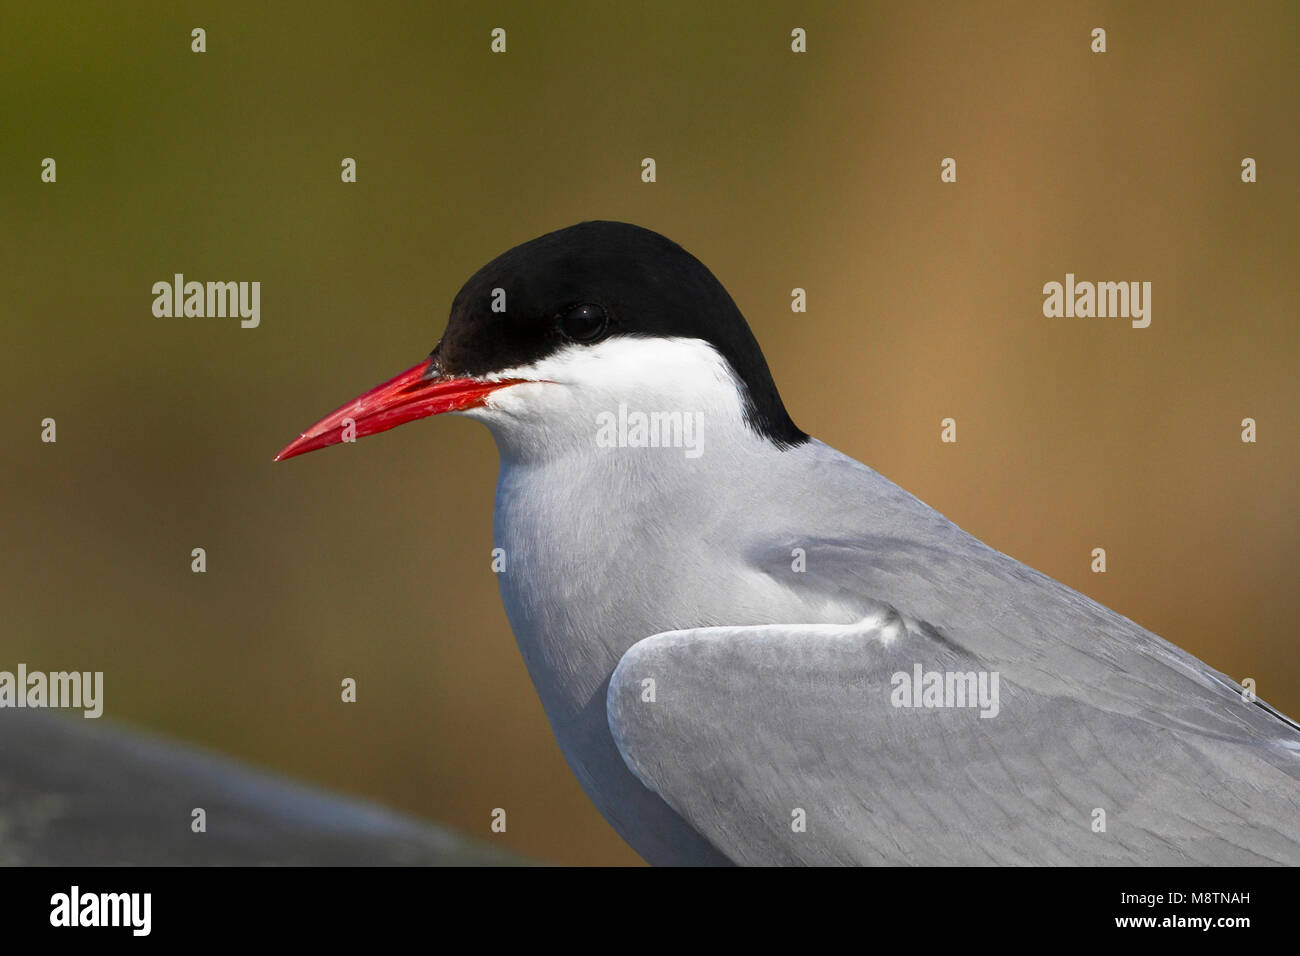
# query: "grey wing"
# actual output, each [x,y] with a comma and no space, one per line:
[867,543]
[791,744]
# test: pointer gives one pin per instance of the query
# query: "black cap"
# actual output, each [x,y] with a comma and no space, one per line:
[597,280]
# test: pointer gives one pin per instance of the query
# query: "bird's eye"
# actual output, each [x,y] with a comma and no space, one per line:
[584,323]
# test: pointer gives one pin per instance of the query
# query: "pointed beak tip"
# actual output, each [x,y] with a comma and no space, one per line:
[307,441]
[411,395]
[288,451]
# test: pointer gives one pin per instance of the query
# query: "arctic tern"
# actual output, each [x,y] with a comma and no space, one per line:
[767,653]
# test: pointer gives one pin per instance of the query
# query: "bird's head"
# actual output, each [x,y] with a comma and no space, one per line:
[552,334]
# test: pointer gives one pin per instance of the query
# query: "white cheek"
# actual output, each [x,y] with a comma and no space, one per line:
[520,400]
[625,368]
[567,395]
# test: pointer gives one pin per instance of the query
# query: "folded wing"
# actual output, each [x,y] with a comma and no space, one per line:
[794,744]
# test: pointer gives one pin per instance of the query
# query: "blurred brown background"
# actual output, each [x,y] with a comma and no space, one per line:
[778,170]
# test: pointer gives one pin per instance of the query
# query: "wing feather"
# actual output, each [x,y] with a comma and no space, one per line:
[747,731]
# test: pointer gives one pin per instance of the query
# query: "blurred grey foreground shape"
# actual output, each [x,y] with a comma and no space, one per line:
[76,792]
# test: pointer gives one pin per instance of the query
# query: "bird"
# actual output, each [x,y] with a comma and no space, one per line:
[753,649]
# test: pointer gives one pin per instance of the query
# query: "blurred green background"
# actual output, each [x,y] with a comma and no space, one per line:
[777,170]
